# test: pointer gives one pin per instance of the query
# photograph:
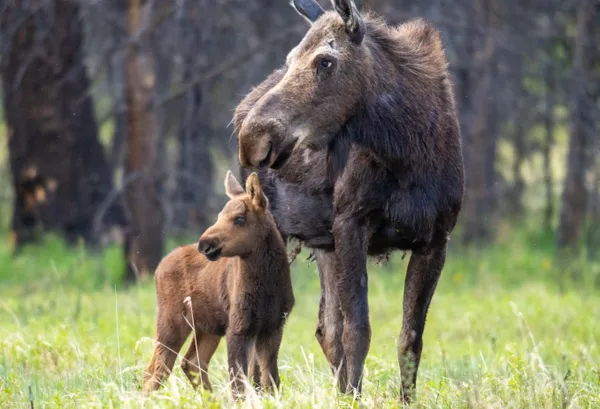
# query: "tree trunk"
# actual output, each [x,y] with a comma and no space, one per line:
[59,170]
[195,168]
[144,248]
[593,233]
[480,133]
[575,192]
[515,199]
[547,147]
[194,193]
[116,81]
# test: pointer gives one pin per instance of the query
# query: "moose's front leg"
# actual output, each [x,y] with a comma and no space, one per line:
[351,285]
[238,346]
[423,273]
[331,321]
[267,350]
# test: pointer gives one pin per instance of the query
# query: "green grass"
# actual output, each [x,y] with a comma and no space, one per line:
[506,329]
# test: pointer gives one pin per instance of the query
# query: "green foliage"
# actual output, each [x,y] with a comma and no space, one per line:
[51,263]
[508,328]
[106,132]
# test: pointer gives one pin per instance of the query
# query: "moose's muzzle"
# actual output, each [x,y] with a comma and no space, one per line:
[263,142]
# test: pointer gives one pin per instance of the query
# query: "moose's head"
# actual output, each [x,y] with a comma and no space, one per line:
[317,91]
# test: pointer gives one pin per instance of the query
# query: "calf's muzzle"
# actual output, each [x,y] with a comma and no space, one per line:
[209,246]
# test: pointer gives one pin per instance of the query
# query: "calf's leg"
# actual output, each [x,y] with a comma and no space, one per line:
[171,333]
[422,276]
[197,358]
[267,351]
[331,321]
[351,286]
[254,367]
[238,346]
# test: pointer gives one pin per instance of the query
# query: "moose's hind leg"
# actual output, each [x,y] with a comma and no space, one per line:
[423,273]
[196,360]
[171,333]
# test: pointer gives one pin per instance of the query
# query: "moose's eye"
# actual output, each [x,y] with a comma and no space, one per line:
[238,221]
[325,63]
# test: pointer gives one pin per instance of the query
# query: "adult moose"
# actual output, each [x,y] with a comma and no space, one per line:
[357,141]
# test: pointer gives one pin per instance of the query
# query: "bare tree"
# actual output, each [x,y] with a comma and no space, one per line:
[480,129]
[515,196]
[575,198]
[145,245]
[549,106]
[59,170]
[194,188]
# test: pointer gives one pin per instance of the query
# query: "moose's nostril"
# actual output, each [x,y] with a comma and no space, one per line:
[210,249]
[204,246]
[265,161]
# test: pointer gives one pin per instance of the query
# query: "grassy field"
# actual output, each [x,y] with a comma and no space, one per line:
[507,328]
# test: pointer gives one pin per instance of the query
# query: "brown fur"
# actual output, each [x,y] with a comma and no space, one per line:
[244,294]
[358,144]
[307,108]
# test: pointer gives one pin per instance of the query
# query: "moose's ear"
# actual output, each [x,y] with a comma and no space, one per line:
[309,9]
[355,26]
[254,189]
[232,186]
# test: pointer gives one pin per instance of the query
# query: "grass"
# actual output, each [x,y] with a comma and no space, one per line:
[507,329]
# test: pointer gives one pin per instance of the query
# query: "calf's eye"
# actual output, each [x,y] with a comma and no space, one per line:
[238,221]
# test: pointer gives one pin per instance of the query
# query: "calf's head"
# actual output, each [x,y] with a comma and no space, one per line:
[242,224]
[318,92]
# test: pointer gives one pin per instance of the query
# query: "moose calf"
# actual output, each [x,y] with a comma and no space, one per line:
[236,284]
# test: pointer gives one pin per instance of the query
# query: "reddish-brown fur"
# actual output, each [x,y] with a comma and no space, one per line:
[238,282]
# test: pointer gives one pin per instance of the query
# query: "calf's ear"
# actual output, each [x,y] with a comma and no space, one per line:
[232,186]
[254,189]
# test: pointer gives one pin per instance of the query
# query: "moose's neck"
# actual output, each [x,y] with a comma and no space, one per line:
[407,104]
